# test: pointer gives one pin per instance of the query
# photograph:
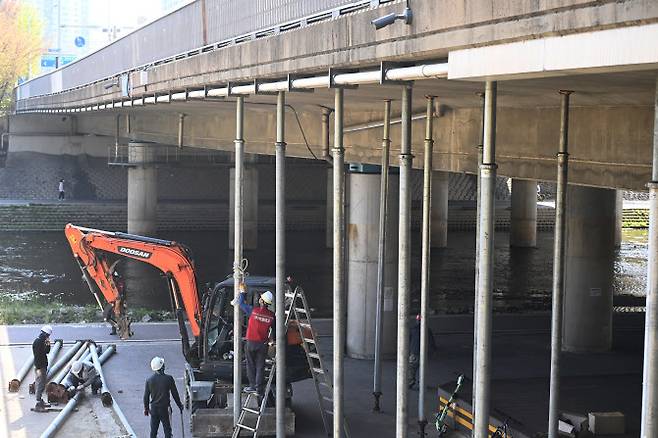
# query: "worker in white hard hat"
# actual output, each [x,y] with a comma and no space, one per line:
[40,350]
[82,375]
[156,398]
[260,331]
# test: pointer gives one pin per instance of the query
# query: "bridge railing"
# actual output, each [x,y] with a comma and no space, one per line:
[195,28]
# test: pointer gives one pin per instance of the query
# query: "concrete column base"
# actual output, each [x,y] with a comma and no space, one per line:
[363,244]
[591,219]
[142,190]
[439,214]
[250,212]
[523,217]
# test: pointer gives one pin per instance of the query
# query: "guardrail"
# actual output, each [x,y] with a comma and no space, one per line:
[198,27]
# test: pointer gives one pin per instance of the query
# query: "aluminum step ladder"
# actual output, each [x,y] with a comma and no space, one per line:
[321,378]
[260,409]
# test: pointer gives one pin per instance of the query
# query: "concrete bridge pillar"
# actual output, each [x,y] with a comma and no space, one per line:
[439,228]
[591,220]
[362,241]
[523,220]
[142,189]
[250,211]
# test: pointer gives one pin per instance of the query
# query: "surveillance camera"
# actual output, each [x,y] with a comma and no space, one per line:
[389,19]
[384,21]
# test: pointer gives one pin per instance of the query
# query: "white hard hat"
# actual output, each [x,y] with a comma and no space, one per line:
[76,367]
[267,297]
[47,329]
[157,363]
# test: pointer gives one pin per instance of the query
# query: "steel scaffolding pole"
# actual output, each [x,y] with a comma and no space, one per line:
[381,256]
[649,393]
[404,254]
[237,257]
[477,247]
[425,259]
[339,263]
[484,286]
[280,188]
[559,246]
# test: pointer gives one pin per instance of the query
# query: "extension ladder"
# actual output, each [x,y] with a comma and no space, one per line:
[296,307]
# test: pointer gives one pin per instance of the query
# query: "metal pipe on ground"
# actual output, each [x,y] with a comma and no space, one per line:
[237,258]
[404,267]
[280,264]
[339,265]
[64,359]
[381,256]
[65,369]
[559,248]
[425,260]
[484,287]
[55,389]
[650,377]
[124,421]
[70,406]
[27,366]
[106,397]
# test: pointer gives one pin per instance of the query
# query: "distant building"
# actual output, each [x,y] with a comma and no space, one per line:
[74,28]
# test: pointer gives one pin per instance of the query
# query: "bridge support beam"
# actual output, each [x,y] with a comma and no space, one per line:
[439,216]
[650,377]
[523,223]
[142,190]
[362,232]
[484,286]
[590,216]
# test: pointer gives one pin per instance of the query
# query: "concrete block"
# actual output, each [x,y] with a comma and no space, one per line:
[211,423]
[607,423]
[580,422]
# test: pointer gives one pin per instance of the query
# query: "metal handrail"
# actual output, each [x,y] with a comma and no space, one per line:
[49,81]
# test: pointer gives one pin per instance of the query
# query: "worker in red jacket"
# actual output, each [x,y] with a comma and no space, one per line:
[260,331]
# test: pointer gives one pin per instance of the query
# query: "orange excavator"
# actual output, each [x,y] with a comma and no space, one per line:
[210,315]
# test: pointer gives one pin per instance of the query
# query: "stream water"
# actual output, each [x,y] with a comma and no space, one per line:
[39,267]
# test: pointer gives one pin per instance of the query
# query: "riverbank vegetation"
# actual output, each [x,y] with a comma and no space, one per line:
[12,312]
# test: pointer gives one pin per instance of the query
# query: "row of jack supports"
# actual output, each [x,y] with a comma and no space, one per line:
[484,265]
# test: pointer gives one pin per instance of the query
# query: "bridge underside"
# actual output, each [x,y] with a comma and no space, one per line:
[610,133]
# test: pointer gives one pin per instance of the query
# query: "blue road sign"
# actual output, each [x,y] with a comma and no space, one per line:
[80,41]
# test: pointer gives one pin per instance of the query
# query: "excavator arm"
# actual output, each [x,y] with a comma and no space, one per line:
[89,248]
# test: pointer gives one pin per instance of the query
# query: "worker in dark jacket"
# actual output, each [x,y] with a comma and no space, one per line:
[156,398]
[259,332]
[40,350]
[83,374]
[414,350]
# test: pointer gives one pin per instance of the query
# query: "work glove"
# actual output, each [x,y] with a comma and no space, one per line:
[71,388]
[80,387]
[146,412]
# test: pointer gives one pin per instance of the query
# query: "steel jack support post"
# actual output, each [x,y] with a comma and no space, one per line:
[404,268]
[484,286]
[381,256]
[425,259]
[281,339]
[339,264]
[558,267]
[650,378]
[237,257]
[477,243]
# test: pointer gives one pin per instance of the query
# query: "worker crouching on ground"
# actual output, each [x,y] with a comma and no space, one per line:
[40,350]
[156,398]
[82,375]
[260,331]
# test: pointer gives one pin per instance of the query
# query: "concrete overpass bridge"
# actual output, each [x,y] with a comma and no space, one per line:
[267,77]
